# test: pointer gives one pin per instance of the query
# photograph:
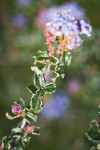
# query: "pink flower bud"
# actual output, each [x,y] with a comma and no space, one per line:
[30,129]
[17,109]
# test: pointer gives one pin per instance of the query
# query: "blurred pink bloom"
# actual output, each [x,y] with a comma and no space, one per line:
[42,18]
[30,129]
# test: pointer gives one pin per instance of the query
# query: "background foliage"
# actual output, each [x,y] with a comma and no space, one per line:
[81,84]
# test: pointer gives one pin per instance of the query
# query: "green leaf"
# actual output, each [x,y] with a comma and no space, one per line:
[41,55]
[53,67]
[18,148]
[32,88]
[9,116]
[16,132]
[54,60]
[12,117]
[50,88]
[54,63]
[60,72]
[36,131]
[36,70]
[36,102]
[7,142]
[94,131]
[30,117]
[67,57]
[26,139]
[38,80]
[41,66]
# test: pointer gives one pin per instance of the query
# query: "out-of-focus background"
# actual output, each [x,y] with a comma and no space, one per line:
[66,114]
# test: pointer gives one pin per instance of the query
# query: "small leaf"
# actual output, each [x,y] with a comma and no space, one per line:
[94,132]
[41,66]
[38,80]
[53,67]
[60,72]
[9,116]
[50,88]
[25,140]
[41,55]
[32,88]
[36,131]
[36,70]
[12,117]
[67,57]
[7,142]
[54,60]
[16,132]
[30,117]
[36,102]
[18,148]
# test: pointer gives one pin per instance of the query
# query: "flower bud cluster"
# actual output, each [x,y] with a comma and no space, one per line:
[66,30]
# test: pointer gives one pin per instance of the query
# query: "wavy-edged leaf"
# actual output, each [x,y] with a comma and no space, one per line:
[50,88]
[94,131]
[36,102]
[26,139]
[32,88]
[30,117]
[60,72]
[41,55]
[54,60]
[67,57]
[7,142]
[18,148]
[38,80]
[36,131]
[16,132]
[36,70]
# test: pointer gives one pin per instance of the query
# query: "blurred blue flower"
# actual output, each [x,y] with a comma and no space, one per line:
[20,20]
[46,14]
[85,27]
[57,106]
[77,11]
[23,2]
